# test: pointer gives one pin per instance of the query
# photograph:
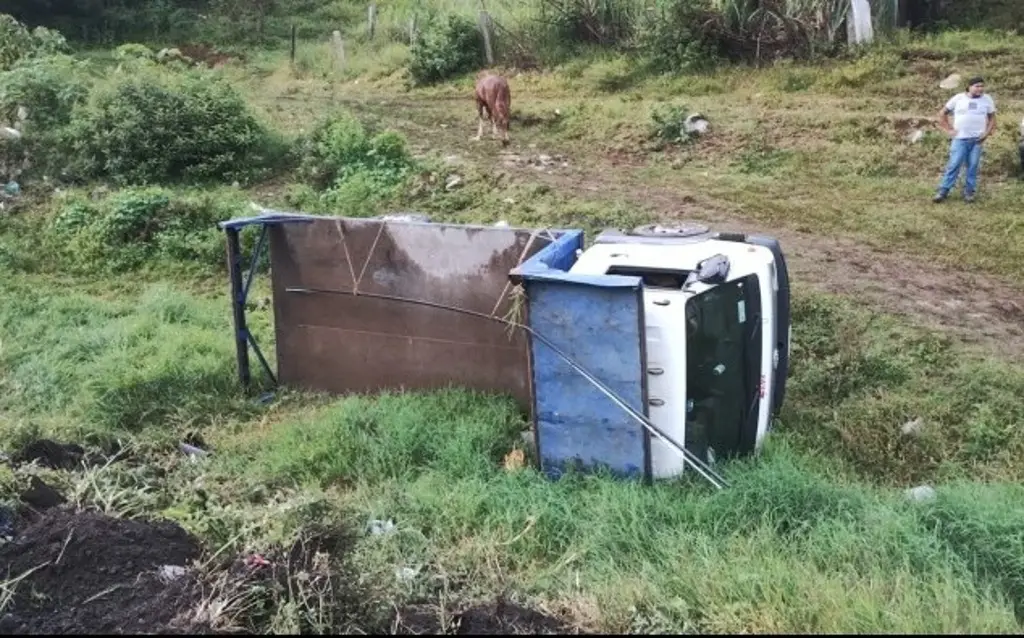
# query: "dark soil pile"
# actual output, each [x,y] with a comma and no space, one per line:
[56,456]
[84,572]
[499,618]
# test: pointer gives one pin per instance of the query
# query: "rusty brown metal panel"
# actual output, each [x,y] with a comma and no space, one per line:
[332,338]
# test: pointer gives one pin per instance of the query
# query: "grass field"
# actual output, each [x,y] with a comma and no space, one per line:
[904,311]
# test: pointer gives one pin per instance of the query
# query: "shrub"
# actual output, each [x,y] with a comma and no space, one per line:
[445,47]
[134,51]
[355,166]
[157,128]
[46,90]
[341,147]
[17,43]
[677,39]
[48,87]
[142,225]
[668,125]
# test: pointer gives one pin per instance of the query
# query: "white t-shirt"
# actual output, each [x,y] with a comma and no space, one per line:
[970,114]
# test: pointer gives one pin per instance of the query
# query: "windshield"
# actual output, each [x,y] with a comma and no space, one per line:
[723,346]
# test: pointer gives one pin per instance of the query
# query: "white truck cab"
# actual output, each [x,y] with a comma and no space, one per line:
[716,323]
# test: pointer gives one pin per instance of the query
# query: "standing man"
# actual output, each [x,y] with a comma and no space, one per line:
[974,119]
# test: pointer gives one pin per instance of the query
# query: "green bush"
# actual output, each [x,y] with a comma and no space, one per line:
[446,47]
[140,226]
[668,125]
[676,40]
[341,146]
[170,128]
[48,87]
[354,167]
[134,51]
[17,43]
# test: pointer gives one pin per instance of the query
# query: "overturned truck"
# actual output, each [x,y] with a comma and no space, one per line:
[653,350]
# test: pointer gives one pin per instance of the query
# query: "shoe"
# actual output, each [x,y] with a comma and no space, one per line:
[969,198]
[940,197]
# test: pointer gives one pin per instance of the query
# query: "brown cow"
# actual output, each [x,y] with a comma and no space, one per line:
[493,94]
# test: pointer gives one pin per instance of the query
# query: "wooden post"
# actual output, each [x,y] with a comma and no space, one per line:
[412,29]
[485,29]
[293,44]
[338,47]
[371,19]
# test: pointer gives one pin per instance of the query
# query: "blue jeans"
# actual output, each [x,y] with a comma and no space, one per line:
[962,151]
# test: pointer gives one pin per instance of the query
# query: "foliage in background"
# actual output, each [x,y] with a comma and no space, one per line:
[140,227]
[18,43]
[355,168]
[161,128]
[447,46]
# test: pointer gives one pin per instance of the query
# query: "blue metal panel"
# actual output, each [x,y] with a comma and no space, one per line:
[600,327]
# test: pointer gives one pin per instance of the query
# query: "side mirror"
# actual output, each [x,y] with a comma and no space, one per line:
[712,270]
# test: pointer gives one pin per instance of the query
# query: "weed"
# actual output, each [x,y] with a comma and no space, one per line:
[447,46]
[669,125]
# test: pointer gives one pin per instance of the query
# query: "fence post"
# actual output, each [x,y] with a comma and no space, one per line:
[234,254]
[338,47]
[292,56]
[412,29]
[485,29]
[371,19]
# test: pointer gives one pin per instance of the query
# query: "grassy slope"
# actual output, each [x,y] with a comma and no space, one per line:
[823,150]
[814,535]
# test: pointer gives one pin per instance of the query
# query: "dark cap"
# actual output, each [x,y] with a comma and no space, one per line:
[975,80]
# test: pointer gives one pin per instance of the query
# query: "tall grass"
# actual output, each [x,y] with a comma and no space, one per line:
[155,359]
[798,543]
[790,547]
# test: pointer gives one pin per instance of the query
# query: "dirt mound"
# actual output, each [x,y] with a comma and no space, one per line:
[501,617]
[47,453]
[84,572]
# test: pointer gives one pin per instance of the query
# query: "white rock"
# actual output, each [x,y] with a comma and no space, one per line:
[171,572]
[406,574]
[22,113]
[696,123]
[912,427]
[952,82]
[9,133]
[915,136]
[380,528]
[453,182]
[920,493]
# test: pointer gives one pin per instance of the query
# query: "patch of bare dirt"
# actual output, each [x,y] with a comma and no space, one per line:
[501,617]
[85,572]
